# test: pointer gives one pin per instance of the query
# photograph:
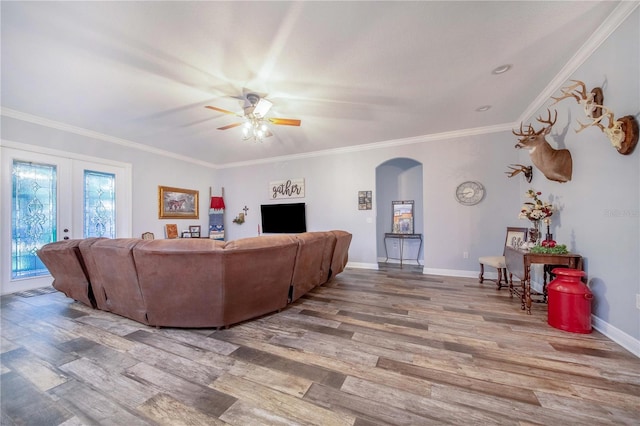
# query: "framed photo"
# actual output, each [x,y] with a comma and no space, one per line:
[402,217]
[186,234]
[364,200]
[194,230]
[516,237]
[171,229]
[177,203]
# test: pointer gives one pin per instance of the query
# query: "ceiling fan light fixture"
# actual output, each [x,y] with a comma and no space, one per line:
[255,124]
[255,128]
[262,107]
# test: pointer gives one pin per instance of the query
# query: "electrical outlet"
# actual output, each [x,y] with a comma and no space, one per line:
[465,254]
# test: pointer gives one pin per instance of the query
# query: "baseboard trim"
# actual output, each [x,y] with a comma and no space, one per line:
[457,273]
[359,265]
[620,337]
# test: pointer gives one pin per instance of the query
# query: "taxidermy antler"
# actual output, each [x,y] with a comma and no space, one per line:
[555,164]
[622,133]
[519,168]
[587,100]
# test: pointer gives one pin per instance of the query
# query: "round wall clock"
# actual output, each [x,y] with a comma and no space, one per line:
[469,193]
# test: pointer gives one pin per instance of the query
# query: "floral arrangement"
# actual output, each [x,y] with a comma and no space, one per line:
[535,210]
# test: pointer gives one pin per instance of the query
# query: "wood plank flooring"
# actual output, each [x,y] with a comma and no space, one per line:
[370,348]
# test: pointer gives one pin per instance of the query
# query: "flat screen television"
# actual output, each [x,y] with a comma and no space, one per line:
[283,218]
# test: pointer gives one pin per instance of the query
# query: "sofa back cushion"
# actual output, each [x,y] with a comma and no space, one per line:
[181,281]
[66,265]
[112,269]
[313,261]
[257,275]
[340,252]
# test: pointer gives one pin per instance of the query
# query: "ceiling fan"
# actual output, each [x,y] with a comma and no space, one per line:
[255,121]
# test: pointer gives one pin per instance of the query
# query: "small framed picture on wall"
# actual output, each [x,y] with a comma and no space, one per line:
[365,200]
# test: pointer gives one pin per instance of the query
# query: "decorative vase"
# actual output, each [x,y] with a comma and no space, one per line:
[534,233]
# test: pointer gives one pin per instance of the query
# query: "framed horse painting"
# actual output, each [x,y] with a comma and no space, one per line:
[177,203]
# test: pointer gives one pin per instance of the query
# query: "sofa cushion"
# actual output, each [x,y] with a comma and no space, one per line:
[113,274]
[181,281]
[67,267]
[313,261]
[340,252]
[257,275]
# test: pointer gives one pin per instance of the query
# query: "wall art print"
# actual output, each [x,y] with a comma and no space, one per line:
[365,200]
[288,188]
[177,203]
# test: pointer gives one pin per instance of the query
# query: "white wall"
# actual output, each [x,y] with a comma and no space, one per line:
[600,206]
[333,181]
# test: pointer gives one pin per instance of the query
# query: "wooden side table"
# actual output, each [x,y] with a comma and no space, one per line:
[519,264]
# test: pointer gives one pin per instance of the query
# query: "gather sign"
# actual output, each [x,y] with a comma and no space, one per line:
[289,188]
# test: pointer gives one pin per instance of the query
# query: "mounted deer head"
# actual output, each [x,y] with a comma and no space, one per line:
[622,133]
[555,164]
[519,168]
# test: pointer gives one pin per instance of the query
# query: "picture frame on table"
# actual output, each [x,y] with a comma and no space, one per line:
[402,215]
[186,234]
[177,203]
[516,237]
[195,231]
[171,229]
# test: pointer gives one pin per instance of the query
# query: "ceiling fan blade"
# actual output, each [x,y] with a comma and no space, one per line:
[221,110]
[285,121]
[230,126]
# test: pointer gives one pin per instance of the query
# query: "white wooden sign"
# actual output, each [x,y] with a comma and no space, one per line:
[289,188]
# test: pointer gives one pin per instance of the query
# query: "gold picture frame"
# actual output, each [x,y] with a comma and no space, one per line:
[177,203]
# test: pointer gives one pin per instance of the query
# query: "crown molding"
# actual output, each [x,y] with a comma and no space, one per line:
[29,118]
[608,26]
[379,145]
[18,115]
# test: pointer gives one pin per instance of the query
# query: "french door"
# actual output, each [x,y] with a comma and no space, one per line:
[51,196]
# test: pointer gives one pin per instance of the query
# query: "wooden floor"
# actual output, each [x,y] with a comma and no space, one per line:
[372,347]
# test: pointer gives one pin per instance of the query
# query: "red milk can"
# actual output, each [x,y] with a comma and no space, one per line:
[570,299]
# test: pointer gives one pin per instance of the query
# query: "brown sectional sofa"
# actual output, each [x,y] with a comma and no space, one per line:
[195,282]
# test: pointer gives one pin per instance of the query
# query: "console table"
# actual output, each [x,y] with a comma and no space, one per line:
[519,264]
[402,237]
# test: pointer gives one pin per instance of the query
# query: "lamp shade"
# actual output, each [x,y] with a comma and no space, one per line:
[217,203]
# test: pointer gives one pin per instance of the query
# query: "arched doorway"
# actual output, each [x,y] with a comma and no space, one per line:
[398,179]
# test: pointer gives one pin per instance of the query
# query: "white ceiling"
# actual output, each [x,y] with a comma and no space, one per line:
[354,72]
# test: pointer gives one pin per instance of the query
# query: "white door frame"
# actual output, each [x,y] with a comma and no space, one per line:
[70,167]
